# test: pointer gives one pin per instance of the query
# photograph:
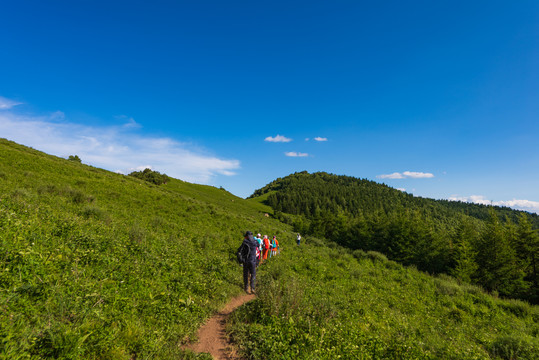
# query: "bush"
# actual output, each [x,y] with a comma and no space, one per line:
[359,254]
[376,256]
[511,347]
[93,211]
[75,158]
[516,307]
[153,177]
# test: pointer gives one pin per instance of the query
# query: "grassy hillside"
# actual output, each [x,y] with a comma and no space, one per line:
[327,302]
[97,265]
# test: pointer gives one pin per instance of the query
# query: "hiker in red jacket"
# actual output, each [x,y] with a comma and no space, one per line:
[265,247]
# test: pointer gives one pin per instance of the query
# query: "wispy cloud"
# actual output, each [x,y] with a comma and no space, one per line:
[296,154]
[115,148]
[318,138]
[7,103]
[526,205]
[278,138]
[129,122]
[406,175]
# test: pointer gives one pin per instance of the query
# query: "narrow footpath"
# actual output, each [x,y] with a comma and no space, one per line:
[212,337]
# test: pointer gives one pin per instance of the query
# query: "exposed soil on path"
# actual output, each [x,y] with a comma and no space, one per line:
[212,338]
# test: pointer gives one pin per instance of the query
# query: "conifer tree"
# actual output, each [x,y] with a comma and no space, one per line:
[464,253]
[527,245]
[498,265]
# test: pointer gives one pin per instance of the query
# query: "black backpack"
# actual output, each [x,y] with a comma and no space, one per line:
[242,254]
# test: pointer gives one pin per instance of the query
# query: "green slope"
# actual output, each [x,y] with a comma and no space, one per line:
[97,265]
[323,302]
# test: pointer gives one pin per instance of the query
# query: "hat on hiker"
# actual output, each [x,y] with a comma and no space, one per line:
[258,235]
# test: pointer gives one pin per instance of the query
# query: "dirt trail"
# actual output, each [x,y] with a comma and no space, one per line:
[211,335]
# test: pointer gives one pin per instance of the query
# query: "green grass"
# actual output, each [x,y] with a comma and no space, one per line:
[97,265]
[321,303]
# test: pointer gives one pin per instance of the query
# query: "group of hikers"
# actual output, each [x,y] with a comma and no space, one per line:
[253,251]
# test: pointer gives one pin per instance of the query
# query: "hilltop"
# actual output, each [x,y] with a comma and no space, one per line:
[95,264]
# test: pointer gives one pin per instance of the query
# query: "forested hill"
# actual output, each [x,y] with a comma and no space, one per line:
[495,247]
[305,194]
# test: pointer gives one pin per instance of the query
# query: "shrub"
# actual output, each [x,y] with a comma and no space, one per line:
[359,254]
[517,307]
[93,211]
[76,196]
[445,287]
[74,158]
[376,256]
[511,347]
[153,177]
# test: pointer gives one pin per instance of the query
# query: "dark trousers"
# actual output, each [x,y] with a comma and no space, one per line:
[249,268]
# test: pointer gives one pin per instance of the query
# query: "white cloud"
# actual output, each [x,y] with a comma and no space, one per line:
[318,138]
[395,175]
[278,138]
[7,103]
[526,205]
[116,148]
[417,175]
[401,189]
[477,199]
[296,154]
[406,175]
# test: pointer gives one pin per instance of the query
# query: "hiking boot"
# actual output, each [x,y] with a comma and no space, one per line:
[252,291]
[247,291]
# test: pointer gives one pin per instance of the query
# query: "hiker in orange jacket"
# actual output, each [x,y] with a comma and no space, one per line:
[265,247]
[273,247]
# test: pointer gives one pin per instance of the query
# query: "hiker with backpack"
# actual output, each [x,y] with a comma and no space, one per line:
[246,256]
[265,249]
[258,239]
[274,246]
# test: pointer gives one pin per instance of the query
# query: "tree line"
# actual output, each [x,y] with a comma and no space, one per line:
[495,247]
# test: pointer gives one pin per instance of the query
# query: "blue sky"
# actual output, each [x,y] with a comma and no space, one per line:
[438,98]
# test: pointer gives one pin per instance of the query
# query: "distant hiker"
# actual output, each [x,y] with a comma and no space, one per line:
[258,239]
[278,247]
[248,259]
[265,248]
[298,239]
[274,244]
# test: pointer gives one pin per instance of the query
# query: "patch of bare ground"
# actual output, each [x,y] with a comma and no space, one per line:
[211,336]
